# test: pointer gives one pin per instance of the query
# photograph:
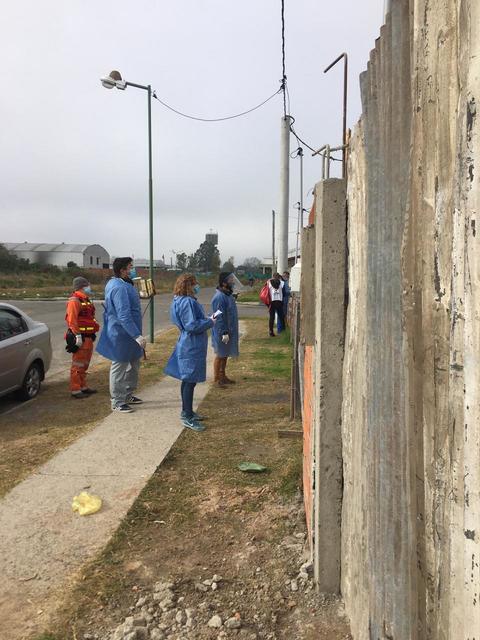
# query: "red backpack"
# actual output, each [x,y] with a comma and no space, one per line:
[265,295]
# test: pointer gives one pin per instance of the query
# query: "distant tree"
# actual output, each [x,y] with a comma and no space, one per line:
[229,265]
[207,257]
[10,262]
[7,260]
[182,260]
[72,265]
[252,263]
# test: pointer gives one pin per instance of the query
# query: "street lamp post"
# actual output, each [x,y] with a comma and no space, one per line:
[114,80]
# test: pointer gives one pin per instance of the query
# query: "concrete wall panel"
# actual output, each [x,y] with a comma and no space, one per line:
[411,424]
[330,256]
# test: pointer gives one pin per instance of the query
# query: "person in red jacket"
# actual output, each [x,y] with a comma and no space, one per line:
[81,333]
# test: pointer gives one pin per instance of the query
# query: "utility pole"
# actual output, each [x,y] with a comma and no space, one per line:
[282,227]
[273,242]
[150,212]
[300,153]
[114,79]
[300,204]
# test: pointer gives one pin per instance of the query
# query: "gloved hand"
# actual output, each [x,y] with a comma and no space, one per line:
[142,341]
[78,340]
[225,338]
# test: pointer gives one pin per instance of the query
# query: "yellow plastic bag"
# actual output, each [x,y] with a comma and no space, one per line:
[86,504]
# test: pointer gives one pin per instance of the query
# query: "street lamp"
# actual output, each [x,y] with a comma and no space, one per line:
[114,80]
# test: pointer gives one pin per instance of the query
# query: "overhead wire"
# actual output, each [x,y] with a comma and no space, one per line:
[284,76]
[236,115]
[299,140]
[283,89]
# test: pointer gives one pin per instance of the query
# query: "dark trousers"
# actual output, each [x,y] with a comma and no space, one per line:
[276,307]
[186,391]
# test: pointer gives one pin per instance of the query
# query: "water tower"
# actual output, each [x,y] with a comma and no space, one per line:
[212,237]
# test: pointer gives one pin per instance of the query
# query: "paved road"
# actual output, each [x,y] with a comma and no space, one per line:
[52,312]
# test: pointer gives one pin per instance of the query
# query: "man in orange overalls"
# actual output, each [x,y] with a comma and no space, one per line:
[81,332]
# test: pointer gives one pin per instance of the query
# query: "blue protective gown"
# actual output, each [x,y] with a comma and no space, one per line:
[189,359]
[227,322]
[122,322]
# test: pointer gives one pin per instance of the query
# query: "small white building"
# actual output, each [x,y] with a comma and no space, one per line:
[266,264]
[88,256]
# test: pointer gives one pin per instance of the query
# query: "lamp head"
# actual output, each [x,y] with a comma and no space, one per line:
[110,81]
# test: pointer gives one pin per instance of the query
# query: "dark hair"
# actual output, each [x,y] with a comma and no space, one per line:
[286,273]
[275,282]
[223,277]
[120,263]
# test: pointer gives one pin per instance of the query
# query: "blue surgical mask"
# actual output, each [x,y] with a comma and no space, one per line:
[196,289]
[133,273]
[88,290]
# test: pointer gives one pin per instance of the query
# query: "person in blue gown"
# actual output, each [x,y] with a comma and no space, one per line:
[188,361]
[225,332]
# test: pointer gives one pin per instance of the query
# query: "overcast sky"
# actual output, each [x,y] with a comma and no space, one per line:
[73,155]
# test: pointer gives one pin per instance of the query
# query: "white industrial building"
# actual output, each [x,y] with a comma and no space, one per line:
[89,256]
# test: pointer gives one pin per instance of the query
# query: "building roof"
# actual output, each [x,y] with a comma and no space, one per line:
[50,248]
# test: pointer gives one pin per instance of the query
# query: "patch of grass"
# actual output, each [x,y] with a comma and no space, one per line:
[46,636]
[251,294]
[274,359]
[35,432]
[57,283]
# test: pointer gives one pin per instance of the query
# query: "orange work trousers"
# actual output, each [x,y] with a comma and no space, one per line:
[80,362]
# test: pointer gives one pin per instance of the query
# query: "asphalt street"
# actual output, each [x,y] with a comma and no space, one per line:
[52,313]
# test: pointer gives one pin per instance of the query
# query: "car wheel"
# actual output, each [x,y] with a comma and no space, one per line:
[31,382]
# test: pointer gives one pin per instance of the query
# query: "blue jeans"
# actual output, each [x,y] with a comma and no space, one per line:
[123,381]
[186,391]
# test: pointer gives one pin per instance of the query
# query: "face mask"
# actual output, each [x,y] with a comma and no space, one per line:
[87,290]
[133,273]
[196,289]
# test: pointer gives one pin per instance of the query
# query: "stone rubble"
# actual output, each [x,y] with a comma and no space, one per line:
[164,614]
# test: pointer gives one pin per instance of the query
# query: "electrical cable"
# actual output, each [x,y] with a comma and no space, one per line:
[284,76]
[236,115]
[299,140]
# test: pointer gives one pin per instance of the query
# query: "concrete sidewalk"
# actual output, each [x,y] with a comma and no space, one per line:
[43,542]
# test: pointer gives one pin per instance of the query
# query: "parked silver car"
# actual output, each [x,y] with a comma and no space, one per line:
[25,352]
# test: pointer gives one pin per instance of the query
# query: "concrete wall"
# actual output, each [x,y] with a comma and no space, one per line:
[411,423]
[330,255]
[322,337]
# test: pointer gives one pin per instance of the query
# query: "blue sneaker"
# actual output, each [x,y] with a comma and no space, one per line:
[195,416]
[191,423]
